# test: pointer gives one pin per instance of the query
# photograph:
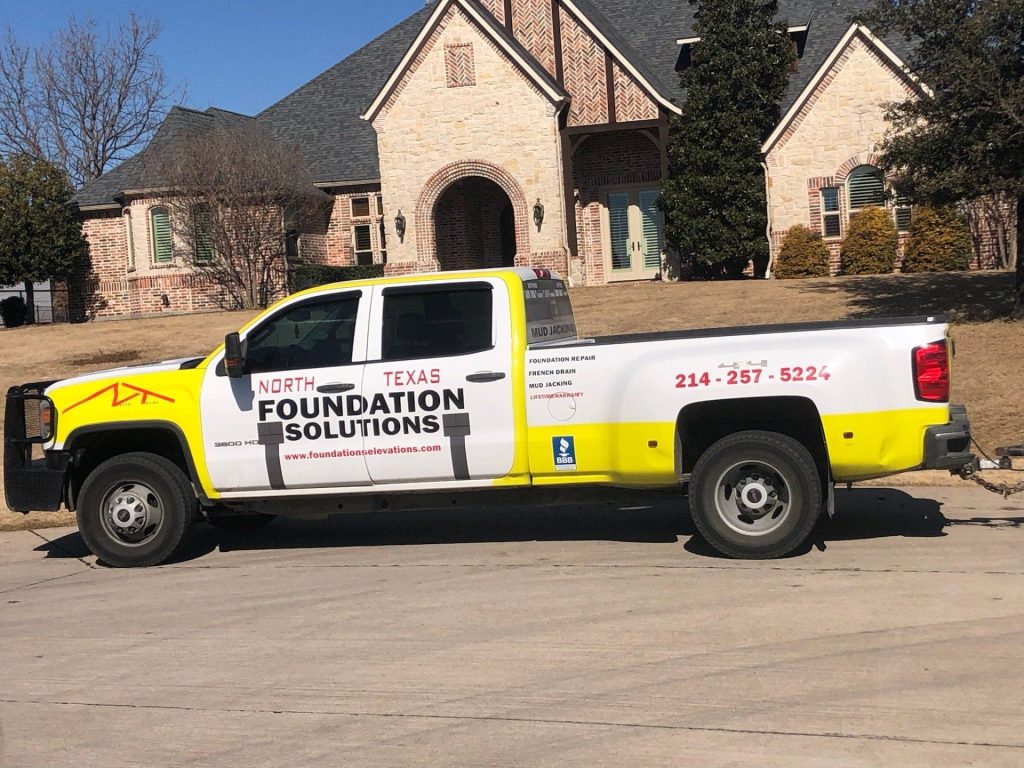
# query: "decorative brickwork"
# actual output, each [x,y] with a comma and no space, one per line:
[835,131]
[496,8]
[428,208]
[533,26]
[460,65]
[585,73]
[631,102]
[602,161]
[469,218]
[504,130]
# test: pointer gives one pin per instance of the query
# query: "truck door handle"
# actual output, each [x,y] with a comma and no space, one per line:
[335,389]
[485,378]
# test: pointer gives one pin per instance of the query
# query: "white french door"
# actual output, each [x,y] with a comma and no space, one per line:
[634,234]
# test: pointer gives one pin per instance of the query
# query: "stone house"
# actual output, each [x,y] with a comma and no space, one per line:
[481,133]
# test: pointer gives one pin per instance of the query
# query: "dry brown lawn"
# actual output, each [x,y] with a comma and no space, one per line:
[988,375]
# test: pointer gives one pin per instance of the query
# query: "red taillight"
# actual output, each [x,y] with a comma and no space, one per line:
[931,372]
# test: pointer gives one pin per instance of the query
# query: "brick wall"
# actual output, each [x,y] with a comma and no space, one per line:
[837,130]
[586,75]
[584,62]
[533,26]
[604,160]
[432,136]
[468,221]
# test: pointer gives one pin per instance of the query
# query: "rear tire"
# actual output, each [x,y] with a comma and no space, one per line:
[755,495]
[135,510]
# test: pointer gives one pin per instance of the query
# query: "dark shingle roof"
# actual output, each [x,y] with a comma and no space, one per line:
[649,30]
[142,171]
[323,117]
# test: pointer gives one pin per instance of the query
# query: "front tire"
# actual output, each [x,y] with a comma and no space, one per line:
[756,495]
[135,510]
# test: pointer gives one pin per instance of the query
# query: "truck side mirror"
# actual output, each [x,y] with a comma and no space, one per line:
[234,359]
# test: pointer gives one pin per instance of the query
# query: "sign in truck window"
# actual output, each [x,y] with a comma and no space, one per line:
[548,312]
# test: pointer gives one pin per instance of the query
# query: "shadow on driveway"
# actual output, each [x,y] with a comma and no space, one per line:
[862,514]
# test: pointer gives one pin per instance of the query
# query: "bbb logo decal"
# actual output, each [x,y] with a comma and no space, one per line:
[565,453]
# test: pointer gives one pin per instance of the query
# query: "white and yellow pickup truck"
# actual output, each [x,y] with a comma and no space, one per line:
[432,389]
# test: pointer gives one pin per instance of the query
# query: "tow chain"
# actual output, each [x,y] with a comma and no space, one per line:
[1003,489]
[970,472]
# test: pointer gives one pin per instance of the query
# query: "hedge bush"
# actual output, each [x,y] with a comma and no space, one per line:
[13,311]
[312,275]
[803,254]
[870,244]
[939,241]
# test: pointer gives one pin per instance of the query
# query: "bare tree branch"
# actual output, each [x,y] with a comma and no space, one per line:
[230,195]
[84,101]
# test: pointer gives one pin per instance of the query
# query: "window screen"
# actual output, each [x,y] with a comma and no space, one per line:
[317,334]
[439,322]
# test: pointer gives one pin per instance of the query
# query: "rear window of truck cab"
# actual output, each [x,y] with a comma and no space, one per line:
[548,312]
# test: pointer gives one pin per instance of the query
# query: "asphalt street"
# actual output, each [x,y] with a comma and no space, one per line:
[591,635]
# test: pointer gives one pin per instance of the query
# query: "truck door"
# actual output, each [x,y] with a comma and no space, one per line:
[439,383]
[292,421]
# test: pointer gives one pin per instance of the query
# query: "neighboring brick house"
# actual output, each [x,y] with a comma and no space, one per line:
[532,132]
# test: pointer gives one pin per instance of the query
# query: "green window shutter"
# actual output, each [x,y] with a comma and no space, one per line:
[618,217]
[651,218]
[867,187]
[163,246]
[203,223]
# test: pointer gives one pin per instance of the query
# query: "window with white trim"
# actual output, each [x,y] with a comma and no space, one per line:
[362,244]
[903,213]
[360,207]
[831,217]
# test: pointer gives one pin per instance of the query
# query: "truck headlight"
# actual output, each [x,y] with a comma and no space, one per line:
[47,422]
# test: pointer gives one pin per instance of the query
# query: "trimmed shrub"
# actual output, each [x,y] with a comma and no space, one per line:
[13,311]
[870,244]
[312,275]
[803,254]
[939,241]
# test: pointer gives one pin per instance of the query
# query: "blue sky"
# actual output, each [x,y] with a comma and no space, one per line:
[234,54]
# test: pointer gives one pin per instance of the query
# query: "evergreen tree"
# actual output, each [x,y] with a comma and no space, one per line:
[964,136]
[40,234]
[714,199]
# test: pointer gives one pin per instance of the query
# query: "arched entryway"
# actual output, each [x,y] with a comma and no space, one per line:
[475,226]
[472,215]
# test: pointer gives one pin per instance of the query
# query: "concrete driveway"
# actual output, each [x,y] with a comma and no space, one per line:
[583,636]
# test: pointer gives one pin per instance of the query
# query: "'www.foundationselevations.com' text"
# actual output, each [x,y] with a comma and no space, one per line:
[347,453]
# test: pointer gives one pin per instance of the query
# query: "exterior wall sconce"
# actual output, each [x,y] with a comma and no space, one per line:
[538,214]
[400,226]
[165,300]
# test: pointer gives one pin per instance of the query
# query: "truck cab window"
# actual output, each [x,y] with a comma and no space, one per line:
[433,322]
[317,334]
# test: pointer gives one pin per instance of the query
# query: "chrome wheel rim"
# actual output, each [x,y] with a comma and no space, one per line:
[752,498]
[132,513]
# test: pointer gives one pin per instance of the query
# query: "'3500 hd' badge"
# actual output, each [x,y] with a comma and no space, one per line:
[565,453]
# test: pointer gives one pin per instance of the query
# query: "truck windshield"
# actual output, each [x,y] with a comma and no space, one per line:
[548,312]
